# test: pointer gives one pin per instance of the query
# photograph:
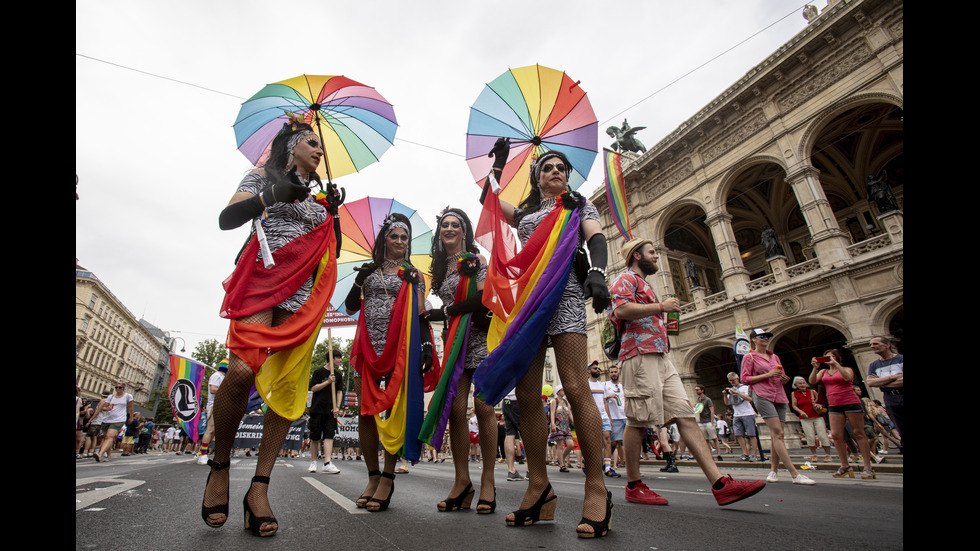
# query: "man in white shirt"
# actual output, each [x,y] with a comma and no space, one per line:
[743,417]
[599,395]
[213,383]
[613,395]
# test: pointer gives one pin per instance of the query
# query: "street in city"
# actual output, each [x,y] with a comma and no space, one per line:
[153,501]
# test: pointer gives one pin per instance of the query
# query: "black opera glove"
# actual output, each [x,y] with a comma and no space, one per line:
[595,282]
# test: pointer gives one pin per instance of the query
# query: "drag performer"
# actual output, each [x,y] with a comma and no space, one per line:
[458,273]
[275,299]
[392,348]
[553,282]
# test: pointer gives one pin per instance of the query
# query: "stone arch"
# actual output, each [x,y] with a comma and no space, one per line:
[888,319]
[756,195]
[688,244]
[730,176]
[819,123]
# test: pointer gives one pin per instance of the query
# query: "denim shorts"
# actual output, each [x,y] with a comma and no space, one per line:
[769,409]
[618,426]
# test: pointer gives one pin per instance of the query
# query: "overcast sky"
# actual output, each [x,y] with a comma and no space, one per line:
[158,86]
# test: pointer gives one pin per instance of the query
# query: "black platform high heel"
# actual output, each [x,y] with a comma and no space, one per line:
[462,501]
[217,509]
[599,529]
[543,509]
[491,504]
[378,505]
[252,522]
[363,500]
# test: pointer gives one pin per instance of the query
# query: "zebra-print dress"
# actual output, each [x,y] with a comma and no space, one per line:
[285,222]
[570,317]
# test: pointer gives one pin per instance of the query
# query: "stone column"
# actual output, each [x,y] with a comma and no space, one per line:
[734,276]
[829,242]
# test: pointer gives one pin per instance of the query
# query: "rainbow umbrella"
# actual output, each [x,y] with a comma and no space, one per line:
[356,125]
[360,222]
[540,110]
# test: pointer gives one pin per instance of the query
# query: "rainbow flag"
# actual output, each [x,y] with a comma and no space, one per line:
[616,192]
[523,293]
[185,392]
[398,364]
[457,338]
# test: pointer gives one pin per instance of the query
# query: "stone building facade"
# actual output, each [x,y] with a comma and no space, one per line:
[791,146]
[111,345]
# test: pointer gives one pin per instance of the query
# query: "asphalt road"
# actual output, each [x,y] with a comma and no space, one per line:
[153,502]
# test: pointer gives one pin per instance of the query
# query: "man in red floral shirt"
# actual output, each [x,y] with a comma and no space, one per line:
[651,385]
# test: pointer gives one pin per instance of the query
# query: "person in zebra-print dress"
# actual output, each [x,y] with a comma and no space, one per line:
[454,237]
[567,335]
[373,293]
[280,189]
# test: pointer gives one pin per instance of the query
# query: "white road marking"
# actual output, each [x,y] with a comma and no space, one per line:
[95,495]
[347,504]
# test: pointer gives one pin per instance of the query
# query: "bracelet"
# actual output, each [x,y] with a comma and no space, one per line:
[427,343]
[598,269]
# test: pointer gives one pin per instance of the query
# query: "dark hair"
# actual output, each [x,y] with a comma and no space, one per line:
[533,200]
[275,165]
[439,255]
[836,355]
[379,242]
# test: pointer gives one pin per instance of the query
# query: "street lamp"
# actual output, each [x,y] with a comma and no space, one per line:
[183,346]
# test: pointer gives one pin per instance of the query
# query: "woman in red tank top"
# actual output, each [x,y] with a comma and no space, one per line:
[844,404]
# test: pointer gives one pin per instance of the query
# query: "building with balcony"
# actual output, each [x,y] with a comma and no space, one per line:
[111,345]
[791,146]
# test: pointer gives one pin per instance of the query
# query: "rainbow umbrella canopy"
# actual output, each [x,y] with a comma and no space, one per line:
[540,110]
[355,124]
[360,222]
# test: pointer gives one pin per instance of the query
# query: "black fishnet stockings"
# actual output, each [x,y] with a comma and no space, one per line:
[229,406]
[459,439]
[571,350]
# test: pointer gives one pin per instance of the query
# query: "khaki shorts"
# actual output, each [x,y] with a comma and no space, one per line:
[653,391]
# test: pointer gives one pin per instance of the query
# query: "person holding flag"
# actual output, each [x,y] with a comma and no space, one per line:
[547,309]
[458,274]
[389,356]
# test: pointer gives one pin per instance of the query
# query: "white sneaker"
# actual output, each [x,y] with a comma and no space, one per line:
[804,480]
[202,460]
[312,468]
[329,468]
[772,478]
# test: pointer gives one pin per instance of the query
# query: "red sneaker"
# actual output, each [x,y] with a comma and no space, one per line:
[737,490]
[642,494]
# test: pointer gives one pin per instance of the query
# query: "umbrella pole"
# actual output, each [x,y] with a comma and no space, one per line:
[333,385]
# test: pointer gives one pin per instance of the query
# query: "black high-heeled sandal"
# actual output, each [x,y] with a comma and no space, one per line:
[252,522]
[491,504]
[543,509]
[222,509]
[363,500]
[599,529]
[378,505]
[462,501]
